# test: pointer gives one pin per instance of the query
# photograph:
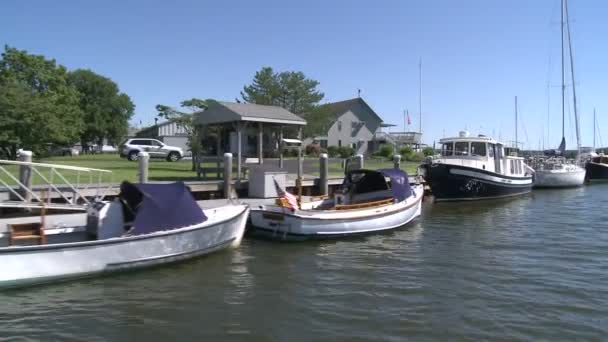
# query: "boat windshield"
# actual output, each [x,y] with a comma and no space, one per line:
[461,148]
[447,149]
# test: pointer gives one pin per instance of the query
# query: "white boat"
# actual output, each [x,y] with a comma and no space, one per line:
[149,224]
[556,172]
[367,203]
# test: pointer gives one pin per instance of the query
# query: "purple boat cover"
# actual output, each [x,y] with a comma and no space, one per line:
[165,207]
[400,183]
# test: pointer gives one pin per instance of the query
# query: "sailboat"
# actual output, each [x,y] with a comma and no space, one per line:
[555,170]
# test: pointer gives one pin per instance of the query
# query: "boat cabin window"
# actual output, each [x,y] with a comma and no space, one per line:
[461,148]
[491,150]
[512,164]
[478,149]
[447,149]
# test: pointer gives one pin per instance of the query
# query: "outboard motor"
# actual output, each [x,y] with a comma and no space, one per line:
[94,219]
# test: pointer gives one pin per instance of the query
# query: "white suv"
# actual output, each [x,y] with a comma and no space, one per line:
[155,148]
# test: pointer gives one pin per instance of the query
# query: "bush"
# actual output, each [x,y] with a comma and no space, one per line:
[346,151]
[385,150]
[313,150]
[406,152]
[416,157]
[428,151]
[333,151]
[290,153]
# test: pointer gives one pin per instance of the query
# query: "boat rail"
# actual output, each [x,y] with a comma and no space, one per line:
[22,194]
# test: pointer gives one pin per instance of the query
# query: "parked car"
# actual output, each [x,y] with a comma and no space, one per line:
[157,149]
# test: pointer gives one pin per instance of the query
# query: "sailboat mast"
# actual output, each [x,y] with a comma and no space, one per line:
[420,96]
[515,121]
[563,76]
[593,129]
[578,133]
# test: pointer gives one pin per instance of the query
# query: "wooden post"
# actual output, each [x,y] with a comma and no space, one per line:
[227,174]
[281,147]
[218,152]
[397,161]
[260,143]
[144,158]
[238,149]
[25,175]
[323,174]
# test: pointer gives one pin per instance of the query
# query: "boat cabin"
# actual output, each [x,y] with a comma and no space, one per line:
[482,153]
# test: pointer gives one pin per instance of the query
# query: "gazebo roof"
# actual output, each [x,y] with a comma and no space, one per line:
[225,112]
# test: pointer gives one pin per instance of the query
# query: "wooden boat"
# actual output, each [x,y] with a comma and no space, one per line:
[476,168]
[148,224]
[366,203]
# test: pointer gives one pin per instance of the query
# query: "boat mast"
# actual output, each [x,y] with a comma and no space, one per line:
[594,122]
[420,96]
[578,135]
[516,121]
[563,76]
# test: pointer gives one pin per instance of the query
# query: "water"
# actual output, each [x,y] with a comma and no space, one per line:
[532,268]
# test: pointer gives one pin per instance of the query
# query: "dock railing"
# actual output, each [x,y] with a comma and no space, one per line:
[74,191]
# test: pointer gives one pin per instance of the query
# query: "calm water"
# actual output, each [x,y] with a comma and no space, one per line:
[533,268]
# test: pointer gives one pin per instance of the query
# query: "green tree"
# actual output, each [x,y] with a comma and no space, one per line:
[428,151]
[185,120]
[38,107]
[106,111]
[291,90]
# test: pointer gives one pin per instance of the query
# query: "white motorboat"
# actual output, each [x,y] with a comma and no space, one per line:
[148,224]
[366,203]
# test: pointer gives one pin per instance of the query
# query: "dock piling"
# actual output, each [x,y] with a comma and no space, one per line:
[358,162]
[323,174]
[144,159]
[397,161]
[227,174]
[25,175]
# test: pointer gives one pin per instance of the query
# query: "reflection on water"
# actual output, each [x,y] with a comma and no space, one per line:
[526,268]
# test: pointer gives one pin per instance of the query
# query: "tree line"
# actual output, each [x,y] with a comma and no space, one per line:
[43,105]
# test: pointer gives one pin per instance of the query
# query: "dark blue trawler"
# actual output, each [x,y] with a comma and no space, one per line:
[475,168]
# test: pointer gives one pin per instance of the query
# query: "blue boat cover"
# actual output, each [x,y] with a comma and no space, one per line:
[400,183]
[165,207]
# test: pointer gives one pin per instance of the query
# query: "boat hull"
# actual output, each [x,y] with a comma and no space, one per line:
[30,265]
[458,183]
[283,224]
[596,171]
[559,178]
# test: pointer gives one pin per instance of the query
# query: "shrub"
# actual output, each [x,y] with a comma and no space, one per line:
[313,150]
[428,151]
[346,152]
[406,151]
[333,151]
[416,157]
[385,150]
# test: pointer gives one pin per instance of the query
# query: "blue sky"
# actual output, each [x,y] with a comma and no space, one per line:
[477,55]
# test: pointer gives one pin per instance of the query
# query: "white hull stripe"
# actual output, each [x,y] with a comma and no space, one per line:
[478,175]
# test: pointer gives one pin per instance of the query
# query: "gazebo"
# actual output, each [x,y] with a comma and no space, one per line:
[240,117]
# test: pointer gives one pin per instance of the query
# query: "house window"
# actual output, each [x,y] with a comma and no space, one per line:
[339,143]
[354,146]
[323,143]
[478,149]
[339,125]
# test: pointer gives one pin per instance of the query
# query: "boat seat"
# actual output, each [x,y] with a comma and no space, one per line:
[26,231]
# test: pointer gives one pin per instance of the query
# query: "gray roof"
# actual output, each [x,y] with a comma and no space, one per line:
[224,112]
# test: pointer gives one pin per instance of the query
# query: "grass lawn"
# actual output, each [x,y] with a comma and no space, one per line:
[159,169]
